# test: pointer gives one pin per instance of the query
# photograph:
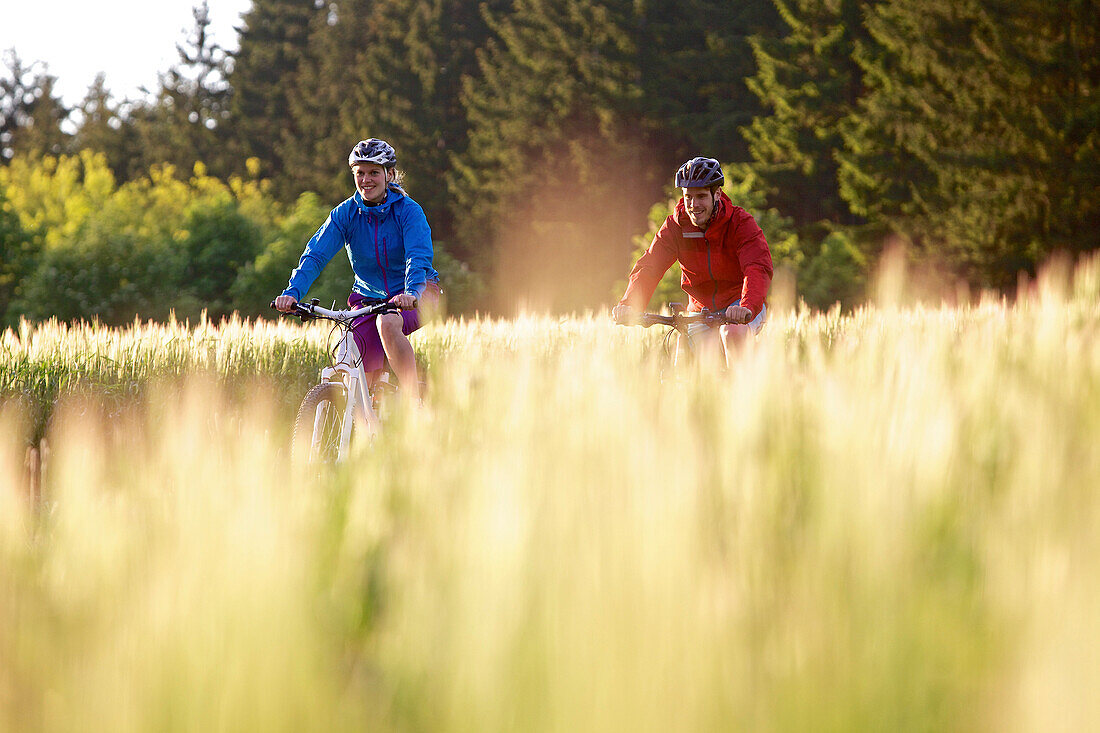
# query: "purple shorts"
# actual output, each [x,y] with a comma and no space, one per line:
[366,331]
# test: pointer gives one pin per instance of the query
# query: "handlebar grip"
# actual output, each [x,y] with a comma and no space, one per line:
[298,311]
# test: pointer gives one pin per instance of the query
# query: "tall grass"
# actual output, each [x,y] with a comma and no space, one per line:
[42,364]
[886,520]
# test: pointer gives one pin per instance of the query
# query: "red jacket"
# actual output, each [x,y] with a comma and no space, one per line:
[727,262]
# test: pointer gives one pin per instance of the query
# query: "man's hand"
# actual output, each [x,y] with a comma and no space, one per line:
[623,314]
[404,301]
[737,314]
[284,303]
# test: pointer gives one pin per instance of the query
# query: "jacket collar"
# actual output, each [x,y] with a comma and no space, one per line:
[393,194]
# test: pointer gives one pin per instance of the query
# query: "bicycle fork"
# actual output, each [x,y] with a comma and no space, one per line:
[357,408]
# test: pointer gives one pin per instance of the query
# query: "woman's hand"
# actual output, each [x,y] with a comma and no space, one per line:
[404,301]
[284,303]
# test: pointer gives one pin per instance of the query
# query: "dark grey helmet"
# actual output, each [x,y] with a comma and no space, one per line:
[374,151]
[700,173]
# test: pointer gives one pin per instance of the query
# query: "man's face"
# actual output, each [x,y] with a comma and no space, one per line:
[699,203]
[370,181]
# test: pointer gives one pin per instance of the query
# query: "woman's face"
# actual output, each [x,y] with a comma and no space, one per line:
[370,181]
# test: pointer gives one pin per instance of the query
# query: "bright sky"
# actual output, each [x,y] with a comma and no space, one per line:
[129,40]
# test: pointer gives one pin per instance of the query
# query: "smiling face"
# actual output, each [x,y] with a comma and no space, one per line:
[370,181]
[699,203]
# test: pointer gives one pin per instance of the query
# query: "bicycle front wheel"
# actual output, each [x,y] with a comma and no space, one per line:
[319,423]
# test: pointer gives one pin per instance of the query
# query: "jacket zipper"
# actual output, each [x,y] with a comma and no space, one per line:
[710,269]
[714,297]
[378,260]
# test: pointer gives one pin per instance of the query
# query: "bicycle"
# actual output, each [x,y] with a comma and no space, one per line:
[345,392]
[681,322]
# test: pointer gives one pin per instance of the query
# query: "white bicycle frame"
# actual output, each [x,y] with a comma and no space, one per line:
[347,371]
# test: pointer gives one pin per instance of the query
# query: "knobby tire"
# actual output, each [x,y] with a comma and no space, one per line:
[331,398]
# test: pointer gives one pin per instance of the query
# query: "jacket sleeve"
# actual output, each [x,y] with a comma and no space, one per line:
[651,267]
[321,248]
[419,252]
[756,264]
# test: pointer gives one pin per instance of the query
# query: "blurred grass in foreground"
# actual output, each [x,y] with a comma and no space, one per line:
[882,521]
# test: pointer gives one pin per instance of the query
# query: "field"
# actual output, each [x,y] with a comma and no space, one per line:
[879,521]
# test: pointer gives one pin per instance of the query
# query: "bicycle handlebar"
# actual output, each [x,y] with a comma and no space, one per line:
[311,310]
[679,320]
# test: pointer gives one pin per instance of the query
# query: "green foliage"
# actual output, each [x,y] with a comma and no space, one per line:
[538,133]
[54,197]
[18,252]
[31,113]
[837,274]
[188,122]
[220,240]
[694,71]
[463,288]
[969,128]
[556,82]
[807,81]
[744,189]
[106,127]
[266,276]
[558,166]
[109,253]
[977,135]
[325,121]
[108,275]
[273,41]
[152,245]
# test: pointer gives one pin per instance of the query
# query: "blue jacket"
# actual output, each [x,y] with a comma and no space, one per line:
[389,245]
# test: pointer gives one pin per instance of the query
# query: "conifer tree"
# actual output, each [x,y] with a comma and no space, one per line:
[315,145]
[106,126]
[273,42]
[808,81]
[978,135]
[187,122]
[694,59]
[557,146]
[44,133]
[410,86]
[31,113]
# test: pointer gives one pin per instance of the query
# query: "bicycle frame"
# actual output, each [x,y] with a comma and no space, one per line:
[680,322]
[346,371]
[347,368]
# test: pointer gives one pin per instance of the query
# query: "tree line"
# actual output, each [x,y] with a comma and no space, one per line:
[539,134]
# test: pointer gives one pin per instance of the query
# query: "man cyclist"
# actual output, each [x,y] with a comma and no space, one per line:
[389,243]
[723,255]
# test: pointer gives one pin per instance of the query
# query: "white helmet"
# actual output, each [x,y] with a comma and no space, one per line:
[374,151]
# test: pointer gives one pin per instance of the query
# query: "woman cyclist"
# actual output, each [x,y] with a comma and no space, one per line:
[389,244]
